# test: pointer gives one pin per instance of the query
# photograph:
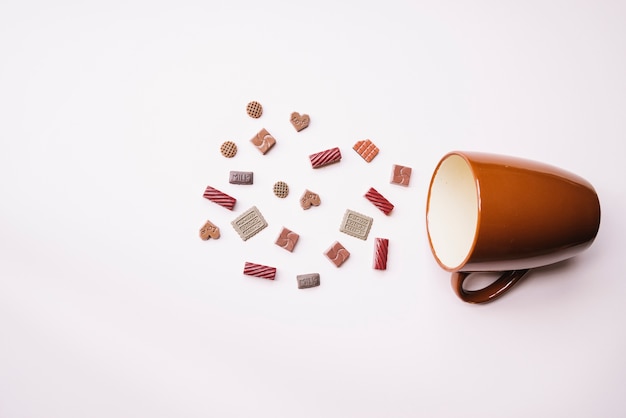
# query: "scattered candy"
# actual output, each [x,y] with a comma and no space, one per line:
[337,254]
[263,140]
[228,149]
[299,121]
[381,248]
[259,270]
[219,197]
[281,189]
[209,230]
[287,239]
[366,149]
[241,177]
[356,224]
[379,201]
[306,281]
[323,158]
[309,199]
[400,175]
[254,109]
[249,223]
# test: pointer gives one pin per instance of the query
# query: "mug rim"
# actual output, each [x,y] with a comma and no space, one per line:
[474,233]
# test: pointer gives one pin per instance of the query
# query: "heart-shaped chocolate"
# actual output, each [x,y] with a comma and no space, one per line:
[299,121]
[309,199]
[209,230]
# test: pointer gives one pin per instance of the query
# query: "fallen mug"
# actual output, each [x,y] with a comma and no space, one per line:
[496,213]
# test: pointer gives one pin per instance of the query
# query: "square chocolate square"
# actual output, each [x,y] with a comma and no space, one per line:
[337,254]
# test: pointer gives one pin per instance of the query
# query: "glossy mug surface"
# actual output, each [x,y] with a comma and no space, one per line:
[496,213]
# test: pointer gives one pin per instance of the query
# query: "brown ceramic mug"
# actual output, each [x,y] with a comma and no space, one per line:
[495,213]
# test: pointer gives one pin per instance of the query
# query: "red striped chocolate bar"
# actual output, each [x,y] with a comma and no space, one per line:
[329,156]
[259,270]
[219,197]
[379,201]
[381,248]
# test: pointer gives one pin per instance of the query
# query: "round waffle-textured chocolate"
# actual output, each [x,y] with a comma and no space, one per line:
[254,109]
[281,189]
[228,149]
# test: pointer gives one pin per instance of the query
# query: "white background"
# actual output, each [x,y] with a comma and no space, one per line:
[111,117]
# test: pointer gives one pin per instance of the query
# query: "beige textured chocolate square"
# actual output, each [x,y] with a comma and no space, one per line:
[356,224]
[263,140]
[249,223]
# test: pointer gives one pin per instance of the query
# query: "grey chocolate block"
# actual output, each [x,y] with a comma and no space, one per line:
[249,223]
[241,177]
[308,280]
[356,224]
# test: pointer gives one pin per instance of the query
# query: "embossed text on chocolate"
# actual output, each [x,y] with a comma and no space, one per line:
[306,281]
[241,177]
[356,224]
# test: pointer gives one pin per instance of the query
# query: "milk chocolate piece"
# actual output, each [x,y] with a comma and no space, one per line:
[249,223]
[281,189]
[400,175]
[287,239]
[263,140]
[306,281]
[356,224]
[254,109]
[337,254]
[209,230]
[309,199]
[299,121]
[241,177]
[228,149]
[366,149]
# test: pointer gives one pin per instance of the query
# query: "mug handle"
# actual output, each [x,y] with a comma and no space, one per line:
[489,293]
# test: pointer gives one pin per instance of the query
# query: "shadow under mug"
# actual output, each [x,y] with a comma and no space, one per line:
[496,213]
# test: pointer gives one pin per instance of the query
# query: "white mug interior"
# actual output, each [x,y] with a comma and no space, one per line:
[452,211]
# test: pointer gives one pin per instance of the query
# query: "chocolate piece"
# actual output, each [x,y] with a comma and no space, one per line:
[366,149]
[381,248]
[299,121]
[249,223]
[281,189]
[263,140]
[241,177]
[309,199]
[259,270]
[287,239]
[356,224]
[400,175]
[228,149]
[219,197]
[337,254]
[306,281]
[379,201]
[254,109]
[209,230]
[323,158]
